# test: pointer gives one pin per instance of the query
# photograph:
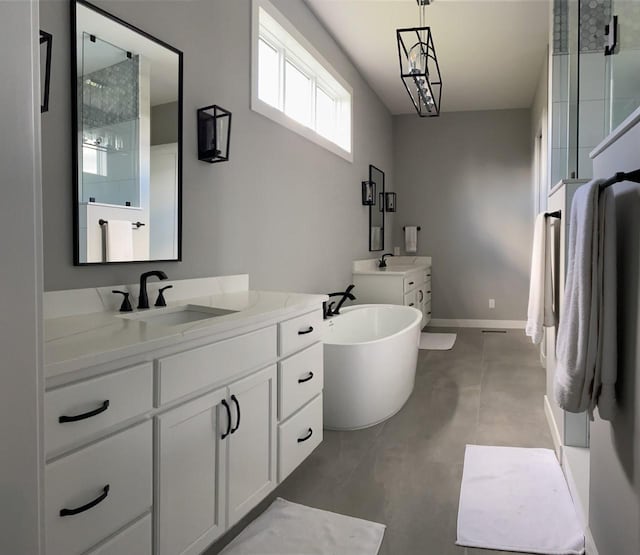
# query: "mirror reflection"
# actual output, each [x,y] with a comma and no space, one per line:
[376,211]
[128,115]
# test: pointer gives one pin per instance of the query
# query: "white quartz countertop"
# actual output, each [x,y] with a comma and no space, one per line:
[83,340]
[390,270]
[396,265]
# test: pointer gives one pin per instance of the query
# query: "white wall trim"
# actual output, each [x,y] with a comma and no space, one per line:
[618,132]
[472,323]
[553,428]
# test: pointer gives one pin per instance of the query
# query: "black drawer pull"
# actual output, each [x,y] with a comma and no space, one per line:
[411,283]
[410,304]
[235,400]
[428,275]
[305,438]
[84,415]
[429,312]
[429,292]
[305,332]
[228,409]
[90,505]
[302,380]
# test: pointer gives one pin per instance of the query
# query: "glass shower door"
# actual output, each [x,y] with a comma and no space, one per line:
[623,66]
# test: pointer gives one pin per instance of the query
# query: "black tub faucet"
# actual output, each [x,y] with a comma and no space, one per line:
[143,299]
[382,263]
[345,295]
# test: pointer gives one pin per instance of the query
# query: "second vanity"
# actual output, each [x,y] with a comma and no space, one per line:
[406,280]
[160,436]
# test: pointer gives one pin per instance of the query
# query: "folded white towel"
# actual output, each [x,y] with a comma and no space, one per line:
[119,241]
[411,238]
[586,347]
[540,310]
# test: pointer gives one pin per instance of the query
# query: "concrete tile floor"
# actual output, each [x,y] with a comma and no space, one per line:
[406,472]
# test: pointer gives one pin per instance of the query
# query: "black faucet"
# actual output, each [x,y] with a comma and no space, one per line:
[345,295]
[143,299]
[382,263]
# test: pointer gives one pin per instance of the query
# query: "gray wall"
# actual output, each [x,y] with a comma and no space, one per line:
[284,210]
[614,492]
[164,123]
[465,178]
[21,391]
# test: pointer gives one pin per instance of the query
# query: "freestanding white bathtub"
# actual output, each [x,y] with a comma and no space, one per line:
[370,357]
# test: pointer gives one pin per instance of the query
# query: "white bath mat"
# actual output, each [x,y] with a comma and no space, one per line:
[516,499]
[437,341]
[287,528]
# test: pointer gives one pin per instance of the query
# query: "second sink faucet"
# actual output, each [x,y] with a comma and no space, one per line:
[382,263]
[143,299]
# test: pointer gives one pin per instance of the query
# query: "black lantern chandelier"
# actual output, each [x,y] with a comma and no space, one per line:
[419,67]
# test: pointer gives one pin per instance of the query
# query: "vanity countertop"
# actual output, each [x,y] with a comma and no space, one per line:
[396,265]
[79,341]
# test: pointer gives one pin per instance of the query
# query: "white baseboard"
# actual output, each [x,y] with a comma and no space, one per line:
[553,428]
[470,323]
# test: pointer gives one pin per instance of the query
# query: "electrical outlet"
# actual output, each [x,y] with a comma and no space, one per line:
[492,303]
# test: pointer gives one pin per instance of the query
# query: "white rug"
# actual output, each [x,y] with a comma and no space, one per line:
[516,499]
[437,341]
[287,528]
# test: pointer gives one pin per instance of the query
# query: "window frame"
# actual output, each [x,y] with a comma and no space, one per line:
[277,114]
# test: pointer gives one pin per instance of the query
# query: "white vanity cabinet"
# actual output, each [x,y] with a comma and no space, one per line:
[190,475]
[405,281]
[164,455]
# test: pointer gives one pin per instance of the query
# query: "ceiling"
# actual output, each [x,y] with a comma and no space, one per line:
[490,52]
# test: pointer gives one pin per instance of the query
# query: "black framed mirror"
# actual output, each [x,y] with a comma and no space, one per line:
[376,211]
[127,141]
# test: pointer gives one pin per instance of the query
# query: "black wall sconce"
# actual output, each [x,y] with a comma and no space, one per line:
[390,202]
[46,39]
[368,193]
[214,134]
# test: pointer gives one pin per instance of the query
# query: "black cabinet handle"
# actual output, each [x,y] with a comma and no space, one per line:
[302,380]
[429,312]
[410,304]
[429,292]
[235,400]
[85,415]
[228,409]
[428,275]
[90,505]
[305,438]
[305,332]
[411,283]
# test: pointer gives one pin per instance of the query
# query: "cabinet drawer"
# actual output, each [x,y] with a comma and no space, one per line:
[95,405]
[122,462]
[411,299]
[300,378]
[299,332]
[298,437]
[135,540]
[412,281]
[184,373]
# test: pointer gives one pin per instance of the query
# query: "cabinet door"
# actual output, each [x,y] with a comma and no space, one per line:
[251,466]
[190,475]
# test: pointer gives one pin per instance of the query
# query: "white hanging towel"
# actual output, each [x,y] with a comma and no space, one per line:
[119,241]
[411,238]
[586,350]
[540,310]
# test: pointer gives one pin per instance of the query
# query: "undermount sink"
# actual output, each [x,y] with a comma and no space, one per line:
[175,316]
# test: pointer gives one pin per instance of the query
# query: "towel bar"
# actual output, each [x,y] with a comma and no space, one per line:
[137,225]
[404,227]
[622,176]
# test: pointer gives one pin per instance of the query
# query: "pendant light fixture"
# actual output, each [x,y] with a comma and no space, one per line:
[419,67]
